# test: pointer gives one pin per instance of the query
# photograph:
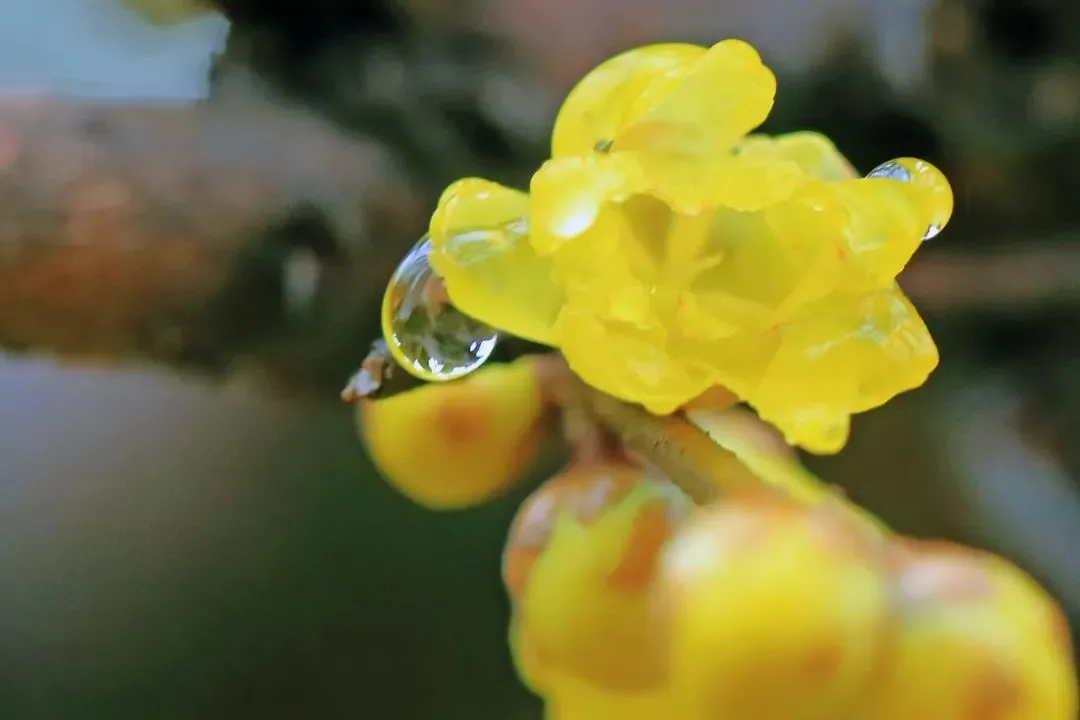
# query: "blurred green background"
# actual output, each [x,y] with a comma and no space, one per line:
[172,549]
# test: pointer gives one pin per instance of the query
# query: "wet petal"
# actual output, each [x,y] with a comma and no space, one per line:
[702,109]
[481,248]
[628,363]
[849,354]
[568,194]
[814,153]
[886,224]
[598,107]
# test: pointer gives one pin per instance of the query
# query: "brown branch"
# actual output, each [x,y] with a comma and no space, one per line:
[1025,274]
[210,237]
[200,237]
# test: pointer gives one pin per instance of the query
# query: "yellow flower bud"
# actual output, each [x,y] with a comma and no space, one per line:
[579,566]
[776,612]
[454,444]
[976,639]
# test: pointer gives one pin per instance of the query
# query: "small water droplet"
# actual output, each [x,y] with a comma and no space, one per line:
[925,175]
[425,333]
[891,170]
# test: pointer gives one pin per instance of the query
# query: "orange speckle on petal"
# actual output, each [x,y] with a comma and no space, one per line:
[647,537]
[825,661]
[998,696]
[462,418]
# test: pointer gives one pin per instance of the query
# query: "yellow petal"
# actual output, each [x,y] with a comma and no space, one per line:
[687,122]
[627,362]
[779,259]
[814,153]
[704,107]
[597,109]
[887,220]
[568,194]
[848,354]
[482,250]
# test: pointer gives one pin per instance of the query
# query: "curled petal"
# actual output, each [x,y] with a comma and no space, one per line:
[702,108]
[887,220]
[814,153]
[848,354]
[691,117]
[455,444]
[481,248]
[598,108]
[569,193]
[627,362]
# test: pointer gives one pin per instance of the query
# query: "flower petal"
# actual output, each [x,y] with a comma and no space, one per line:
[568,193]
[887,221]
[481,248]
[849,354]
[597,109]
[702,109]
[628,363]
[814,153]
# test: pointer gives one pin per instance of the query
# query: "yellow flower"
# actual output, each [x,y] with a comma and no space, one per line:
[665,251]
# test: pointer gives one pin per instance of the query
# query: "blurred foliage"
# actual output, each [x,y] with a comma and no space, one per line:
[344,600]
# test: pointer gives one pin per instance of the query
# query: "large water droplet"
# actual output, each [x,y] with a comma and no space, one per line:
[927,176]
[425,333]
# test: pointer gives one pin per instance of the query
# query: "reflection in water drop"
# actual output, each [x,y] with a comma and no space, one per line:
[426,334]
[926,176]
[892,170]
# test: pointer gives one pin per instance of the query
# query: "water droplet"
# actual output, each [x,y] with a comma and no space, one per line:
[924,175]
[425,333]
[891,170]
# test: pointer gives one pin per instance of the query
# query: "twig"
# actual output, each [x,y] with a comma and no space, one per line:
[200,237]
[1026,274]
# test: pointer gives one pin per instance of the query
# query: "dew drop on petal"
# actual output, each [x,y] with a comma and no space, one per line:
[891,170]
[425,333]
[927,176]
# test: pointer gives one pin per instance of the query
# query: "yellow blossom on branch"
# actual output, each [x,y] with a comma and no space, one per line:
[667,250]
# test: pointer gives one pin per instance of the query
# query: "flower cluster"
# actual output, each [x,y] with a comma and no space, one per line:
[629,605]
[679,263]
[664,250]
[631,602]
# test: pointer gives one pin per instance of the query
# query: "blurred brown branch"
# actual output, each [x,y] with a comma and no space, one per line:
[1023,274]
[195,236]
[207,237]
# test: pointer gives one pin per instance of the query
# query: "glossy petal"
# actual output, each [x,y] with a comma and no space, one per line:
[627,362]
[887,220]
[702,108]
[568,194]
[846,355]
[691,117]
[598,108]
[814,153]
[481,248]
